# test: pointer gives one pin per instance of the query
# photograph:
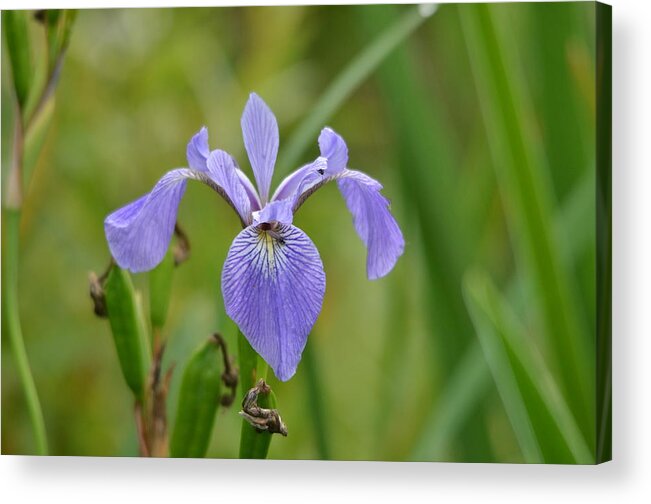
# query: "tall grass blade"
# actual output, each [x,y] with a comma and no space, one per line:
[11,321]
[503,374]
[346,82]
[464,389]
[315,402]
[427,165]
[604,232]
[526,193]
[520,372]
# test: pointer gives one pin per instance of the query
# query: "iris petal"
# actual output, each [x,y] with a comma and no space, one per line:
[373,221]
[300,180]
[275,211]
[198,150]
[222,170]
[260,131]
[139,233]
[273,285]
[333,147]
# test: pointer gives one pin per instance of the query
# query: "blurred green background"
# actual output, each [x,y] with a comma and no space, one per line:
[479,346]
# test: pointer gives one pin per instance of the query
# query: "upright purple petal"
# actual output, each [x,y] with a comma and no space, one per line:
[250,190]
[198,150]
[139,233]
[334,149]
[273,285]
[373,221]
[260,131]
[222,170]
[303,177]
[197,153]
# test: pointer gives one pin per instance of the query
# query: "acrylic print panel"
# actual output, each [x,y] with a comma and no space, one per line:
[337,233]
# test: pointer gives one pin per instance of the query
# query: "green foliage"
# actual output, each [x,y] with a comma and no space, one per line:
[160,290]
[454,114]
[128,329]
[523,181]
[533,400]
[11,324]
[19,49]
[198,402]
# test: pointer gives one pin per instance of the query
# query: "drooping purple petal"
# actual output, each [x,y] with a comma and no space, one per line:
[139,233]
[334,149]
[372,217]
[273,285]
[303,177]
[260,131]
[198,150]
[275,211]
[222,170]
[373,221]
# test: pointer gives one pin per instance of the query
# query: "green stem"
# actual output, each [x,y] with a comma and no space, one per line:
[262,369]
[12,316]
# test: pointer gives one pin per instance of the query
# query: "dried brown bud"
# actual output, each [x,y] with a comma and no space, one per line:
[262,419]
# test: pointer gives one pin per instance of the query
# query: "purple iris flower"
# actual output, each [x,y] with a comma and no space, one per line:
[273,281]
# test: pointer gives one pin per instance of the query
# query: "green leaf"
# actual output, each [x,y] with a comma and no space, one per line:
[19,49]
[58,25]
[160,289]
[128,328]
[35,138]
[544,425]
[524,185]
[198,403]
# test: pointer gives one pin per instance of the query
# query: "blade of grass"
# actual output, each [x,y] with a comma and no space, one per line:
[604,232]
[347,81]
[469,381]
[520,371]
[501,370]
[465,388]
[566,134]
[423,142]
[11,317]
[315,401]
[526,193]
